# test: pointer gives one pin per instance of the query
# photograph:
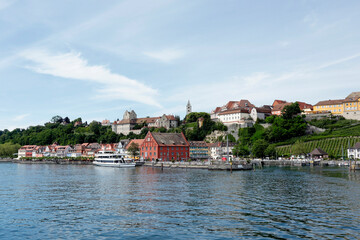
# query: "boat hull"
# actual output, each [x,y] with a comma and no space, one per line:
[116,165]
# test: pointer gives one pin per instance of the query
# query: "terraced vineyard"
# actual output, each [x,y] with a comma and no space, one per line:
[330,145]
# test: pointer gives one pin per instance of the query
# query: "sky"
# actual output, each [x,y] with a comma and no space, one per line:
[97,59]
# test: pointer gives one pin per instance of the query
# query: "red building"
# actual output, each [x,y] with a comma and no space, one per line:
[165,146]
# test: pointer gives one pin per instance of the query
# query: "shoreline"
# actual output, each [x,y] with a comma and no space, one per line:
[212,165]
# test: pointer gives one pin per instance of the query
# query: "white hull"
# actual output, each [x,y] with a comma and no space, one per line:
[117,165]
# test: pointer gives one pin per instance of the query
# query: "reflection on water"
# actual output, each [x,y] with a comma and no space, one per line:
[87,202]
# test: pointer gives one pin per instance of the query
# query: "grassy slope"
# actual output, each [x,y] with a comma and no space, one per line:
[338,134]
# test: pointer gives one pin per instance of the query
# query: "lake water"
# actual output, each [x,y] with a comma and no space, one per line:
[42,201]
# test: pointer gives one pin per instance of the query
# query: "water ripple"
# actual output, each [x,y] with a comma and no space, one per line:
[86,202]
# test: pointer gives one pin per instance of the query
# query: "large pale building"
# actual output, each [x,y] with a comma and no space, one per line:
[240,112]
[131,123]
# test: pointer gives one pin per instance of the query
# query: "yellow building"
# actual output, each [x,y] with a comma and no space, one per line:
[333,106]
[340,106]
[352,102]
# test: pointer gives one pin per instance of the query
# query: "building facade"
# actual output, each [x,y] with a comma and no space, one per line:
[348,107]
[198,150]
[165,147]
[131,123]
[354,152]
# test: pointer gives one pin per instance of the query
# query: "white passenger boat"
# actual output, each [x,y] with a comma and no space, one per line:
[113,159]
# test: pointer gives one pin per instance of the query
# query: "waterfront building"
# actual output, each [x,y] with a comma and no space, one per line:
[26,151]
[318,153]
[139,142]
[165,146]
[354,152]
[198,150]
[219,150]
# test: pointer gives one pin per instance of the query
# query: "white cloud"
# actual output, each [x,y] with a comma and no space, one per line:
[21,117]
[72,66]
[165,55]
[338,61]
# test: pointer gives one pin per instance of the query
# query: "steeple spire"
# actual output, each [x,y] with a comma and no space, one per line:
[188,108]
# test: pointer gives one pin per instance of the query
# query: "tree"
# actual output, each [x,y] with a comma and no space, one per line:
[56,119]
[259,147]
[298,148]
[291,110]
[240,150]
[66,119]
[270,151]
[134,149]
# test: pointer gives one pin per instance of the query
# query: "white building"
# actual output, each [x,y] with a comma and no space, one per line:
[354,152]
[218,150]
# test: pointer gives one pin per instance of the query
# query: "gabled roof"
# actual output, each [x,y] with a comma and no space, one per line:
[330,102]
[356,146]
[280,106]
[218,109]
[147,120]
[318,152]
[171,139]
[354,95]
[137,141]
[304,105]
[263,110]
[28,147]
[276,102]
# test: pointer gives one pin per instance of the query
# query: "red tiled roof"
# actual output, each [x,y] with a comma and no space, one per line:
[170,117]
[276,102]
[137,141]
[303,105]
[280,106]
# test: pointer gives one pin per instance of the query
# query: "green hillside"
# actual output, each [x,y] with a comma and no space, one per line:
[330,145]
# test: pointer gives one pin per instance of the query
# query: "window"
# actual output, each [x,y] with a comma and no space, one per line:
[148,139]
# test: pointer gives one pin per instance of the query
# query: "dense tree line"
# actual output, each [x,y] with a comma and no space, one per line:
[62,131]
[259,142]
[66,132]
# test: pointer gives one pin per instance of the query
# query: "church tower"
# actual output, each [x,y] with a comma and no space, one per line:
[188,108]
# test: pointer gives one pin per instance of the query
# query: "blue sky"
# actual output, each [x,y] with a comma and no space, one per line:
[96,59]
